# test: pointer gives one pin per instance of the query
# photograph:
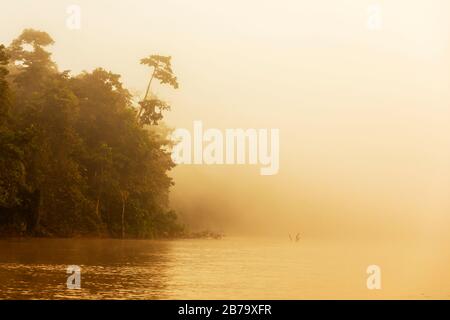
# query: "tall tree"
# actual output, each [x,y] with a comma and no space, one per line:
[150,111]
[11,169]
[46,109]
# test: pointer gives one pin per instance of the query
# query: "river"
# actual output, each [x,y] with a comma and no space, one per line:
[230,268]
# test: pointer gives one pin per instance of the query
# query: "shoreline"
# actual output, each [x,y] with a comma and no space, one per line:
[206,235]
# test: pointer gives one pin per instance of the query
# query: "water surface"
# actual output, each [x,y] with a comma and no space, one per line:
[231,268]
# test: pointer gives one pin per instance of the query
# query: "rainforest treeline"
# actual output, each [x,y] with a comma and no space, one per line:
[77,155]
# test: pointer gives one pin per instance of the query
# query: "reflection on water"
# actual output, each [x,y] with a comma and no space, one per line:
[110,269]
[217,269]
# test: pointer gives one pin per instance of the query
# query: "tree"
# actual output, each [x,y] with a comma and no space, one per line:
[4,88]
[46,109]
[11,170]
[125,164]
[11,167]
[150,111]
[74,157]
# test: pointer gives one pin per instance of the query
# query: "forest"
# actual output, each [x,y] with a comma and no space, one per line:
[78,157]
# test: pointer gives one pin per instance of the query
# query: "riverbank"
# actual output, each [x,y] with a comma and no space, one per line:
[185,235]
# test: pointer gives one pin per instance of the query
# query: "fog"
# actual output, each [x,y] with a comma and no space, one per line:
[363,114]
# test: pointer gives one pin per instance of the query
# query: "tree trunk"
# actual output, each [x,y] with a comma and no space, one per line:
[146,92]
[38,210]
[123,217]
[124,196]
[97,208]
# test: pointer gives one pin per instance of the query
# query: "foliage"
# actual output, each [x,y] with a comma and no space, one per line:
[76,157]
[150,112]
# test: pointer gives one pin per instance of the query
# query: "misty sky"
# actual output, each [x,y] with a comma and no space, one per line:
[363,114]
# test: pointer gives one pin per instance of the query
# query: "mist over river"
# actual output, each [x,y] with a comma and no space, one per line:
[231,268]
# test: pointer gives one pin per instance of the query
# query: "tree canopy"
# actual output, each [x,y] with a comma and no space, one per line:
[77,157]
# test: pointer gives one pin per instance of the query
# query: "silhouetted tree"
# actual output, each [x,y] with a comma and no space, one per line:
[74,158]
[150,111]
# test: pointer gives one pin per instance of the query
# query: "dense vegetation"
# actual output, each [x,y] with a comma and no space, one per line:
[77,156]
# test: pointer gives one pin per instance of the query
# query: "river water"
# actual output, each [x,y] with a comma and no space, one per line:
[230,268]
